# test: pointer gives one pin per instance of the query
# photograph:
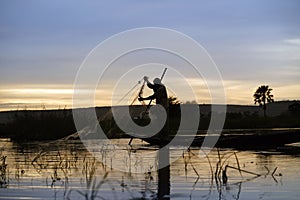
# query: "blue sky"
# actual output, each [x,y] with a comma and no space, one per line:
[44,42]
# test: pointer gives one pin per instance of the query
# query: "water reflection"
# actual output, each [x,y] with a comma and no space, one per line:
[65,170]
[163,173]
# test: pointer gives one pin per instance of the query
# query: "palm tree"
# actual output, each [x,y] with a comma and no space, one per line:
[263,95]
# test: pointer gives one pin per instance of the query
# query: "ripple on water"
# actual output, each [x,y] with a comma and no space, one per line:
[67,169]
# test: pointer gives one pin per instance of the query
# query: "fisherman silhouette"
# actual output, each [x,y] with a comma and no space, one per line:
[161,97]
[160,92]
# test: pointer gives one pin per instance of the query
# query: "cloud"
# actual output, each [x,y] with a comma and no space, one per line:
[42,44]
[295,41]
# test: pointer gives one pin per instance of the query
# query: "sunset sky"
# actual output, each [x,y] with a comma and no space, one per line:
[43,43]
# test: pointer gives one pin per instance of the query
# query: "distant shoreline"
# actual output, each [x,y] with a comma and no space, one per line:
[273,109]
[59,123]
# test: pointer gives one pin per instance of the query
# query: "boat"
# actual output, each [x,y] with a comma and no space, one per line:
[237,139]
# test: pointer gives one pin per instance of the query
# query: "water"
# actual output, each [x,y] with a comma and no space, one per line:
[66,170]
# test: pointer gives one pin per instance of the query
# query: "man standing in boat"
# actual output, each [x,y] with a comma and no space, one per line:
[161,97]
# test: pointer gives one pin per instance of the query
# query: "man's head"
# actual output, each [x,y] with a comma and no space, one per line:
[157,81]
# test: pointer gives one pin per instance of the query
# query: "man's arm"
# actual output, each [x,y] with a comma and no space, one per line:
[150,85]
[147,98]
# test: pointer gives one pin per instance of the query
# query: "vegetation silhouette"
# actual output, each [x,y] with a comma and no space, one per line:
[39,125]
[263,95]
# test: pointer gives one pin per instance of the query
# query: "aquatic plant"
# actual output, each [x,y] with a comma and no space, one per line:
[3,172]
[92,185]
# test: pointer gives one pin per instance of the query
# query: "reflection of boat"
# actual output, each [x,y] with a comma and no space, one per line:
[257,139]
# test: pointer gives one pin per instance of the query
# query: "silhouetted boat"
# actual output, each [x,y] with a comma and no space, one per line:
[258,139]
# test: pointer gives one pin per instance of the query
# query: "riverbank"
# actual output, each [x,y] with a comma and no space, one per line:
[55,124]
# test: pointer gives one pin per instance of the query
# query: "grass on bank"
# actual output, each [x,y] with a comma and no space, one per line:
[55,124]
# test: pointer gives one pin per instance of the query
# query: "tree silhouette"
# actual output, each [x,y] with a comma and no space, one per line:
[173,100]
[263,95]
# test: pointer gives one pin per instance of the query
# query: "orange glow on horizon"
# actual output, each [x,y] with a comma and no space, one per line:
[60,96]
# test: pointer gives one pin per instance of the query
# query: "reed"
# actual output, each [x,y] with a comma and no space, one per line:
[3,172]
[92,185]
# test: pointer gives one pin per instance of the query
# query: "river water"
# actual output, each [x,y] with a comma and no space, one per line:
[67,170]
